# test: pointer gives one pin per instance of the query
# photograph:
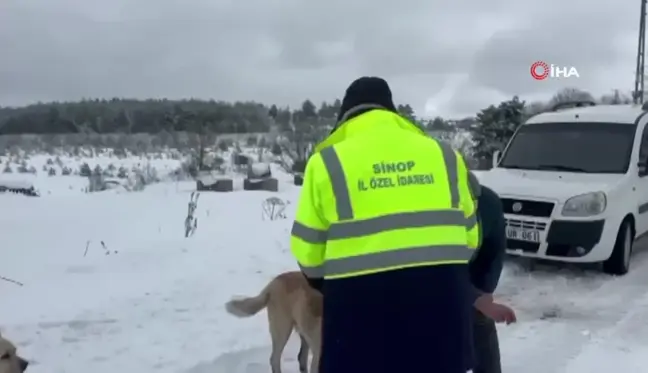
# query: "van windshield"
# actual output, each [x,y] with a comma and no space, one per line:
[571,147]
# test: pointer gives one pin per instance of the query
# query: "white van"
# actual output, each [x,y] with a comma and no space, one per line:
[574,185]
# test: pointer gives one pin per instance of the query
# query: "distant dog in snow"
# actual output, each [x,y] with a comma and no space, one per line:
[291,303]
[9,361]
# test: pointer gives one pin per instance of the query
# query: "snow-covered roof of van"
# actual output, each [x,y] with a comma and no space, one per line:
[622,114]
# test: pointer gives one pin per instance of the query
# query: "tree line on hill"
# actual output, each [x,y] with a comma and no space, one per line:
[490,128]
[152,116]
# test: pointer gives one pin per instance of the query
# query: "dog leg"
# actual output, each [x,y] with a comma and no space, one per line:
[315,345]
[315,362]
[280,330]
[302,356]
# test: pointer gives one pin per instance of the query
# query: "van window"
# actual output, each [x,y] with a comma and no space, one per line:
[571,147]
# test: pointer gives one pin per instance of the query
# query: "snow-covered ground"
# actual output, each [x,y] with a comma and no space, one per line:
[152,300]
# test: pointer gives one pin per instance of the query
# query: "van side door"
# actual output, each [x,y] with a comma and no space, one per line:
[642,184]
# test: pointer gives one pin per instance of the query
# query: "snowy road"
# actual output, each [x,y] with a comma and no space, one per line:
[563,315]
[155,304]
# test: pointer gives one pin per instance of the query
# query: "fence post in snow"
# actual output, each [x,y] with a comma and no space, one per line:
[191,222]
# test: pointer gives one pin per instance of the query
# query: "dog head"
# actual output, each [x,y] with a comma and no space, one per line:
[9,361]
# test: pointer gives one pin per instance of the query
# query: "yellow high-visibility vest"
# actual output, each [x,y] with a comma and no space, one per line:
[380,195]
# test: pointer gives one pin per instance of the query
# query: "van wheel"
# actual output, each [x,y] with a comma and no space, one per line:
[619,261]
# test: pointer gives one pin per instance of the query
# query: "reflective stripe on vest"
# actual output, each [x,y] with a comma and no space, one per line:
[401,257]
[346,227]
[402,220]
[338,183]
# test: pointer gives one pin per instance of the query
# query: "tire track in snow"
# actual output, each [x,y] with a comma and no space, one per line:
[573,316]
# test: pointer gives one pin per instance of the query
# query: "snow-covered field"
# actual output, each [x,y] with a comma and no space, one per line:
[152,300]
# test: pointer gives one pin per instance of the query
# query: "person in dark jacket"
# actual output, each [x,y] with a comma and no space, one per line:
[485,269]
[411,319]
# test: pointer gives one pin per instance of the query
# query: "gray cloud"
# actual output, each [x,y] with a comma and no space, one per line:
[286,50]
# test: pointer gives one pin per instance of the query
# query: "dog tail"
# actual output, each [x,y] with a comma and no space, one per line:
[250,306]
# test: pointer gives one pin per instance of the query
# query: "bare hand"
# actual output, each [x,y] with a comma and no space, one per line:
[495,311]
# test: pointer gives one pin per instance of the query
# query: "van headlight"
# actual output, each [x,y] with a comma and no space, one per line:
[588,204]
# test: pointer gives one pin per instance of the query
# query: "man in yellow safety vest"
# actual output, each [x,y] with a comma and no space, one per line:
[385,228]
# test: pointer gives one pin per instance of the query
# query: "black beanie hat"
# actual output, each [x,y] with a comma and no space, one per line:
[367,90]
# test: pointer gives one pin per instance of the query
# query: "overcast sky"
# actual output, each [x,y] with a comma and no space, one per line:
[442,57]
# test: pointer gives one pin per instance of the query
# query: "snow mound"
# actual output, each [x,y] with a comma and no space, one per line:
[259,169]
[15,183]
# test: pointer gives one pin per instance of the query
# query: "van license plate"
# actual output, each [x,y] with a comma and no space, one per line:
[528,235]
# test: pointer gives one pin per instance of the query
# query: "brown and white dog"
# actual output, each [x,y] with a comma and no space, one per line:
[10,362]
[291,304]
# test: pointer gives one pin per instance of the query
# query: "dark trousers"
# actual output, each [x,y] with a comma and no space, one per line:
[485,345]
[413,320]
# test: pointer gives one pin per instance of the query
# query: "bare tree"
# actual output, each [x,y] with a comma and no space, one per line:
[570,95]
[616,98]
[301,140]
